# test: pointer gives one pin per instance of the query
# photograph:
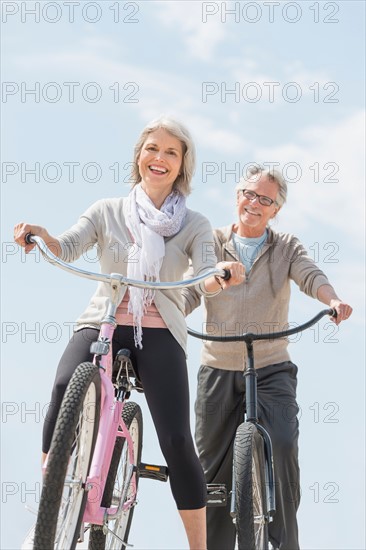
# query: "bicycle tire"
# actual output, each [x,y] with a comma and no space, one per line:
[250,489]
[98,540]
[63,497]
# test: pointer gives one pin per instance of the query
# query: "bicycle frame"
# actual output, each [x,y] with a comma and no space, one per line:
[108,431]
[111,424]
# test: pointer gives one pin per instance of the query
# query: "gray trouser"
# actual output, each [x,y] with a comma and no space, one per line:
[219,410]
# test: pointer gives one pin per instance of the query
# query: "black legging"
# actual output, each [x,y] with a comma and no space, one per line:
[162,369]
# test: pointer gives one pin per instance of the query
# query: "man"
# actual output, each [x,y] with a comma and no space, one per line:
[272,260]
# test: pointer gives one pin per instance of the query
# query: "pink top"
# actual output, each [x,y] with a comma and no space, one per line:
[151,319]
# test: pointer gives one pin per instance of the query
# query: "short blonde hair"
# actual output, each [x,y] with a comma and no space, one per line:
[176,129]
[256,172]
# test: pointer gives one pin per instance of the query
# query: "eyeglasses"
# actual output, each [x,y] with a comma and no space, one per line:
[262,199]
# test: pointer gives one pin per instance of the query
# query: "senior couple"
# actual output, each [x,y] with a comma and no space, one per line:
[170,238]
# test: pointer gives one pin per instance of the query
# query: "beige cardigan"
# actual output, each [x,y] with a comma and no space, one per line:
[103,224]
[260,304]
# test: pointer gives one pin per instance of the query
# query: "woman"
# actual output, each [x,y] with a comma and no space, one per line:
[149,234]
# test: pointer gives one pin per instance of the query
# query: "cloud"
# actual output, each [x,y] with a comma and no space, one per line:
[255,76]
[161,91]
[201,38]
[211,135]
[306,78]
[330,189]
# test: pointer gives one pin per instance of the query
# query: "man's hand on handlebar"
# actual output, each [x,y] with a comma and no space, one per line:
[343,311]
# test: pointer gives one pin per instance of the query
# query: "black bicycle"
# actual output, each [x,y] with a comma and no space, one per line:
[253,488]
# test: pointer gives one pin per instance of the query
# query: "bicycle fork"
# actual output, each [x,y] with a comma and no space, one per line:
[250,376]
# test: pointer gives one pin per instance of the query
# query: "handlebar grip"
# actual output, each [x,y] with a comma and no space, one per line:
[227,275]
[29,238]
[333,313]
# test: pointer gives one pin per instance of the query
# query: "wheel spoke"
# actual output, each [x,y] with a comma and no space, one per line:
[120,485]
[117,528]
[74,481]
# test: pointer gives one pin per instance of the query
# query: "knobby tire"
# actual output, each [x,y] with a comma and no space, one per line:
[250,488]
[63,497]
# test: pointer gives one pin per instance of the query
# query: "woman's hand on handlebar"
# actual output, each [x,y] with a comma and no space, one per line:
[23,229]
[237,274]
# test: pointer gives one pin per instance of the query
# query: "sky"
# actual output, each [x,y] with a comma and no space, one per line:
[275,83]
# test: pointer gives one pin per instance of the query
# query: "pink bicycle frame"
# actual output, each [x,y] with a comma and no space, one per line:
[111,426]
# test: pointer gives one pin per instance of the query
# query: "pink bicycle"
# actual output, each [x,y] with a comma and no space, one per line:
[94,464]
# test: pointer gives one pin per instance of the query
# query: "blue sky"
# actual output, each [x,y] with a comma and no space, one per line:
[274,82]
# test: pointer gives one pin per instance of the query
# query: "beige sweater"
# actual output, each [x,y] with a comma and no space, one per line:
[260,304]
[103,224]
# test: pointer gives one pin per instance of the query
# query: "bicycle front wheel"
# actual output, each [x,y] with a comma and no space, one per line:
[64,495]
[116,537]
[250,488]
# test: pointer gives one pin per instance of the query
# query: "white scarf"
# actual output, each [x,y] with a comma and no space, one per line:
[148,227]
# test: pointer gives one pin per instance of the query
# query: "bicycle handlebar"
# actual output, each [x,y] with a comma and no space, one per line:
[249,337]
[117,278]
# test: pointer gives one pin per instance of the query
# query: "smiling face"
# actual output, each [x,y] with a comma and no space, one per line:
[253,216]
[160,163]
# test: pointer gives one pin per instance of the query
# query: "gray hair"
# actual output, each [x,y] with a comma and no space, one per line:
[255,172]
[176,129]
